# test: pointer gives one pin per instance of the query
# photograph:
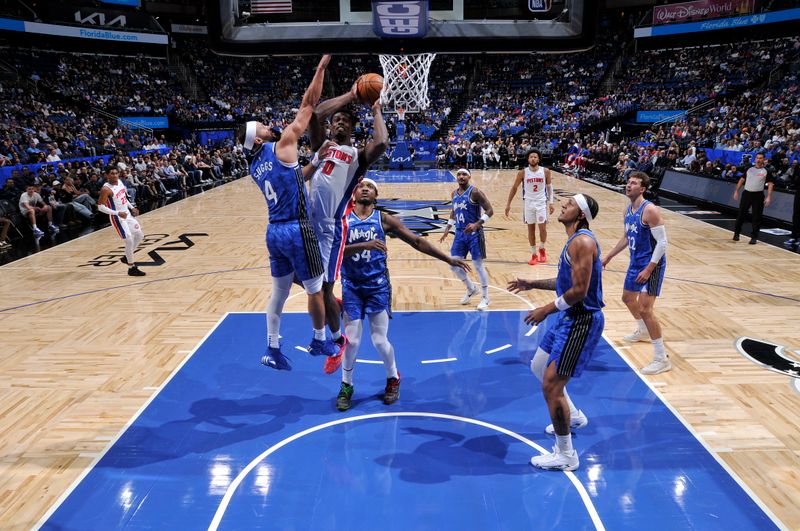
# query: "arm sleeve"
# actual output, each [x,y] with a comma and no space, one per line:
[660,235]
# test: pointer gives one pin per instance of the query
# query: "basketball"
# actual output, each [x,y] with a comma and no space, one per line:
[368,88]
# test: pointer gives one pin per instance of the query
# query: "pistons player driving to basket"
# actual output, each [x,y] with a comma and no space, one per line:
[293,248]
[537,195]
[332,185]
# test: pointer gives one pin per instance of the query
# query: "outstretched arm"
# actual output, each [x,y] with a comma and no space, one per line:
[395,226]
[380,138]
[582,251]
[325,110]
[287,145]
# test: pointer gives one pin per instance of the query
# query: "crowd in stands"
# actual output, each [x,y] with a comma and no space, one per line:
[486,112]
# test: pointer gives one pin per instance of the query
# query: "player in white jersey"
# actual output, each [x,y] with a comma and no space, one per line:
[114,202]
[332,187]
[537,200]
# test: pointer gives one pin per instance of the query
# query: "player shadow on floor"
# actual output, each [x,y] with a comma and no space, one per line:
[449,454]
[215,423]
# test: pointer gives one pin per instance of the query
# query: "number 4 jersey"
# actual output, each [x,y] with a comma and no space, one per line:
[282,185]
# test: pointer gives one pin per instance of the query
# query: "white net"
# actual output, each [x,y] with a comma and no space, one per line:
[405,81]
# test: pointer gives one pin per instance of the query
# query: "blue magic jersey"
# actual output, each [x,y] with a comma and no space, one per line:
[594,297]
[282,185]
[640,239]
[368,266]
[464,209]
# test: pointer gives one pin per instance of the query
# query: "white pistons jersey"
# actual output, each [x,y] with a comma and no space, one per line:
[119,197]
[333,183]
[534,186]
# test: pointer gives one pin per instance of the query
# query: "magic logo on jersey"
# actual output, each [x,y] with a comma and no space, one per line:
[361,234]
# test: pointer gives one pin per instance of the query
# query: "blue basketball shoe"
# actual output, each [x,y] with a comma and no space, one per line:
[323,347]
[276,360]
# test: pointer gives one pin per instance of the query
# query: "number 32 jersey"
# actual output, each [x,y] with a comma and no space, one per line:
[282,185]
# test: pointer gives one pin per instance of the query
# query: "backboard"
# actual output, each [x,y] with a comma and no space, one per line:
[281,27]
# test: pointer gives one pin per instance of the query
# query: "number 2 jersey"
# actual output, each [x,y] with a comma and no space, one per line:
[282,184]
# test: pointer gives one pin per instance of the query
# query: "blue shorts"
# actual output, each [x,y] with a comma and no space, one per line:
[293,248]
[358,301]
[464,243]
[572,340]
[653,284]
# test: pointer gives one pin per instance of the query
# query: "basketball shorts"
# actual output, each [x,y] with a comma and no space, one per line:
[360,300]
[127,227]
[653,285]
[331,246]
[464,243]
[534,212]
[572,340]
[293,248]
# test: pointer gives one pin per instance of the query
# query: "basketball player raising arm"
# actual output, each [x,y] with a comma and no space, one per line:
[332,186]
[293,248]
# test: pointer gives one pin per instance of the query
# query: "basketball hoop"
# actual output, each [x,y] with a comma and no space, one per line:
[405,82]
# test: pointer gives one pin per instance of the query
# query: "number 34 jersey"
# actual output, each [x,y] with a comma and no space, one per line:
[367,267]
[282,185]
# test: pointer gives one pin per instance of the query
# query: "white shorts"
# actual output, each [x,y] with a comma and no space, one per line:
[126,228]
[534,213]
[331,246]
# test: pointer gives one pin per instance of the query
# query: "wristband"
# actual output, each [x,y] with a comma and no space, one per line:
[451,222]
[484,218]
[315,161]
[561,304]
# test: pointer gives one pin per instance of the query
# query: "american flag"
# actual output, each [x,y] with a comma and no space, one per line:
[270,6]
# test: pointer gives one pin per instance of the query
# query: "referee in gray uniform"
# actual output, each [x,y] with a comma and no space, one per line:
[753,197]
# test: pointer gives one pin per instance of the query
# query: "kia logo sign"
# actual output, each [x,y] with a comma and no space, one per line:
[400,19]
[99,19]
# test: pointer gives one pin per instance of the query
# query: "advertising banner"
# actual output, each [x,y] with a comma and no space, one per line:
[700,9]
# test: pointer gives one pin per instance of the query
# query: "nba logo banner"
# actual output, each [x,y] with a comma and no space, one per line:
[539,6]
[400,19]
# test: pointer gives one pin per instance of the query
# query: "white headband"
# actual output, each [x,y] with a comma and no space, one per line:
[464,170]
[583,205]
[370,181]
[250,135]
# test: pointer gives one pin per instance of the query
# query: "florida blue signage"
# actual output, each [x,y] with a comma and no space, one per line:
[149,122]
[659,115]
[400,20]
[719,24]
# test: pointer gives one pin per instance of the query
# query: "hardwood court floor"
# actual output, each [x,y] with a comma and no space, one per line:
[84,347]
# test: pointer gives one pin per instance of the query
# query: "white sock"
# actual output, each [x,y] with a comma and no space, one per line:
[274,340]
[462,276]
[659,352]
[534,249]
[573,411]
[319,334]
[564,443]
[347,375]
[336,335]
[353,329]
[485,292]
[641,326]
